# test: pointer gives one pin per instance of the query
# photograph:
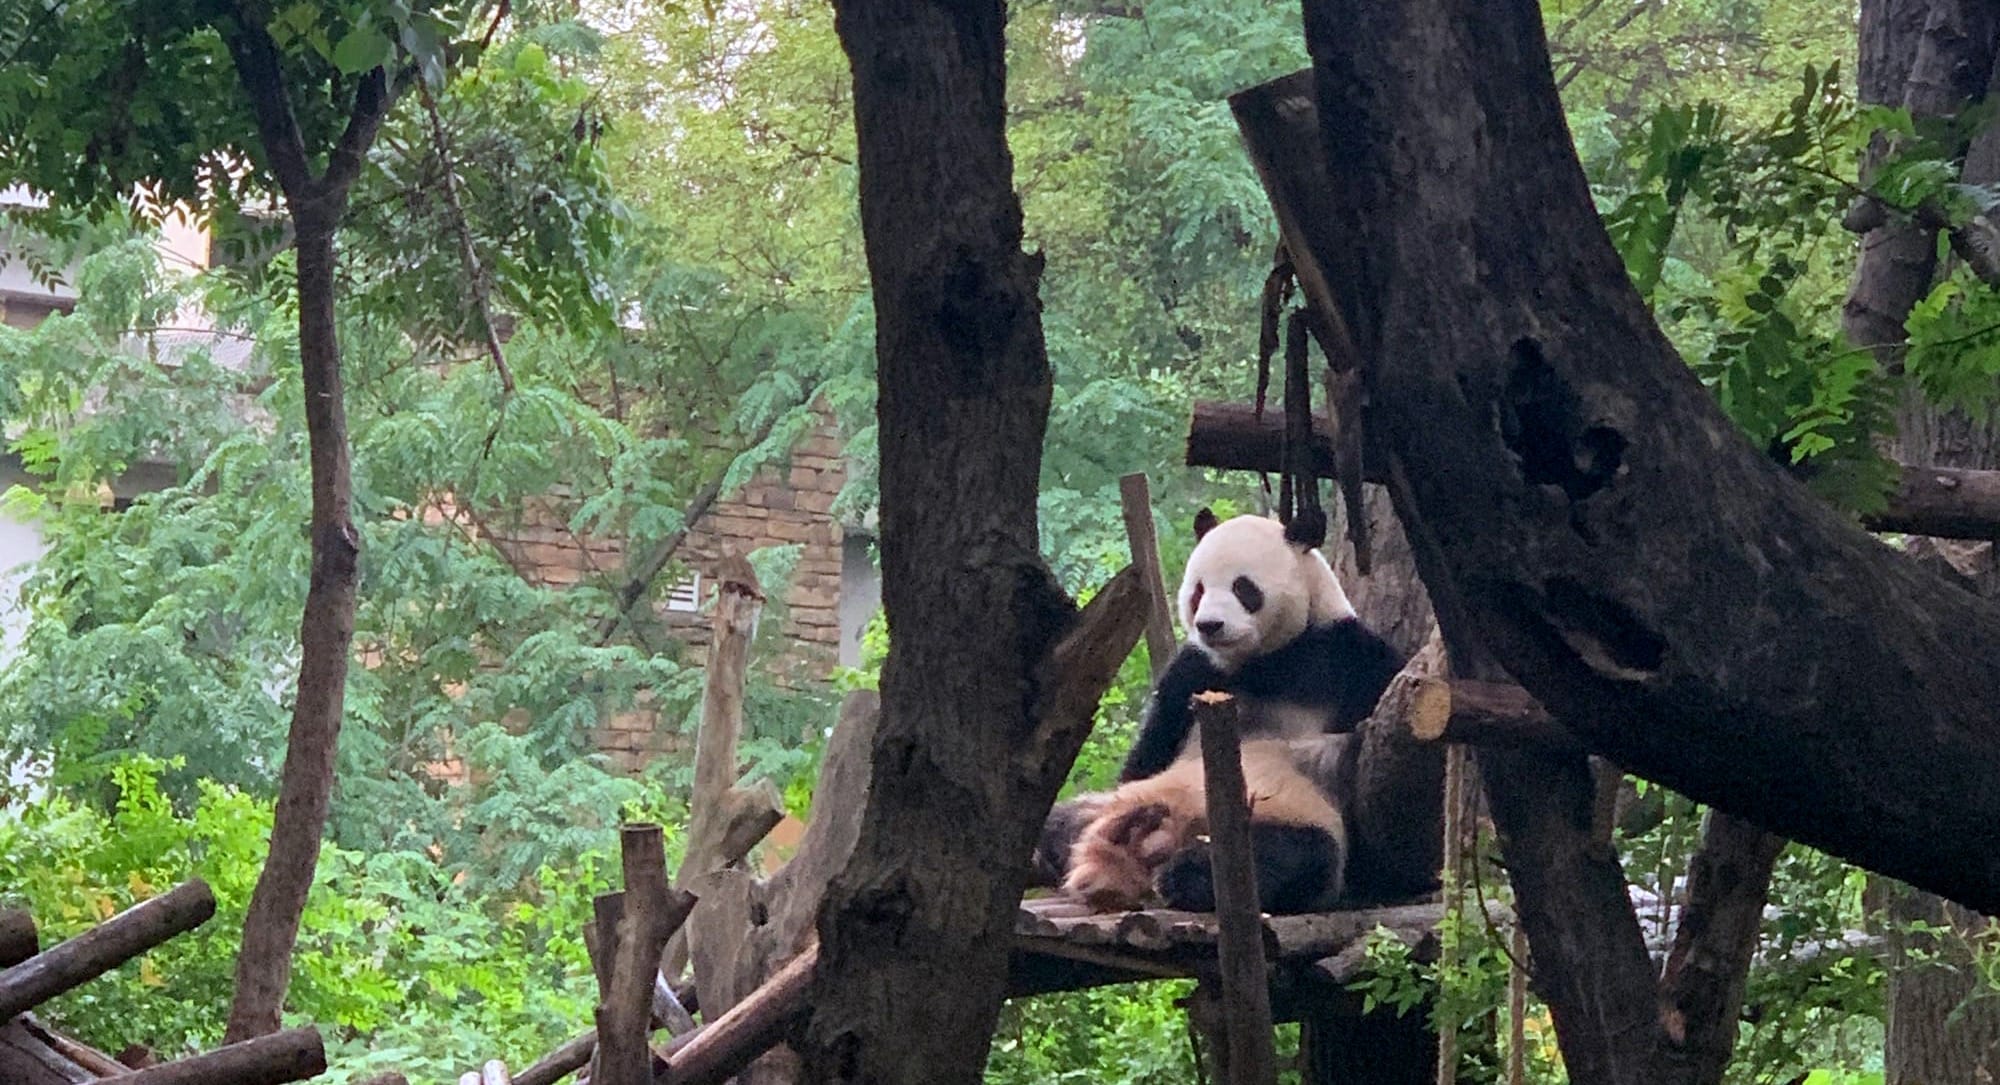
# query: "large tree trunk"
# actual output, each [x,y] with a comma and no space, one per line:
[1578,500]
[326,631]
[915,932]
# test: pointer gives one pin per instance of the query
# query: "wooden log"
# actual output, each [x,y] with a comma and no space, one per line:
[294,1054]
[1949,503]
[651,914]
[717,1051]
[560,1063]
[1135,501]
[1943,502]
[25,1059]
[18,938]
[76,1051]
[104,947]
[1483,713]
[1246,991]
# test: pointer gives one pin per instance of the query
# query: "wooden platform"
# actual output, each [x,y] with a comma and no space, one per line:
[1061,946]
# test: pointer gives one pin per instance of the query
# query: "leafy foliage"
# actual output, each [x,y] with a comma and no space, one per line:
[402,962]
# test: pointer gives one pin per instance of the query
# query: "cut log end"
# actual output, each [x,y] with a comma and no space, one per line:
[1429,715]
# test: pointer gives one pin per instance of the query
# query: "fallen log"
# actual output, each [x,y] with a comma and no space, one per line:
[291,1055]
[104,947]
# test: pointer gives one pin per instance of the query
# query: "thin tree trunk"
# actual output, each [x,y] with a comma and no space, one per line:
[915,933]
[326,634]
[326,631]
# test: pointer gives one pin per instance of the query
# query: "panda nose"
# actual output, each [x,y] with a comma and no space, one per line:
[1209,626]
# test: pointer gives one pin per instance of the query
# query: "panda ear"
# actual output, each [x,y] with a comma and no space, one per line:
[1307,529]
[1204,522]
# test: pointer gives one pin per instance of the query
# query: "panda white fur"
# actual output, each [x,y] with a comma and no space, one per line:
[1268,623]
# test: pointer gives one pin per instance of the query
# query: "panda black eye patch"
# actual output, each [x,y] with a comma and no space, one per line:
[1248,593]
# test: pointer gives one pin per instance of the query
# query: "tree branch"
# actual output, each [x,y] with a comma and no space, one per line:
[259,69]
[1948,503]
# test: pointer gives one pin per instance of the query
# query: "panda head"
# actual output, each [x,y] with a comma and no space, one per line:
[1249,590]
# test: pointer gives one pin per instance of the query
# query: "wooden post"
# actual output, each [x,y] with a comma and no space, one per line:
[1135,500]
[625,1006]
[292,1055]
[1246,990]
[104,947]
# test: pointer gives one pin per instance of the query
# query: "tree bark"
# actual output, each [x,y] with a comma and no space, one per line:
[1575,494]
[968,752]
[1590,962]
[326,632]
[1932,57]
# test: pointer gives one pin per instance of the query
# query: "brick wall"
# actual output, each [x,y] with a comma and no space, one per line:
[789,503]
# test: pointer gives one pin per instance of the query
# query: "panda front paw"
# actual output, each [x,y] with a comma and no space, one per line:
[1187,881]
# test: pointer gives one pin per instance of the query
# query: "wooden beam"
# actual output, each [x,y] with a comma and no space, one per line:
[1244,969]
[104,947]
[1945,502]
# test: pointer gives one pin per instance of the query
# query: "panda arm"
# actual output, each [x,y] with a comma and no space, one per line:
[1342,665]
[1168,714]
[1367,664]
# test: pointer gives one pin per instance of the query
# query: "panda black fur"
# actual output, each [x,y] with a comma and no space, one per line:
[1269,623]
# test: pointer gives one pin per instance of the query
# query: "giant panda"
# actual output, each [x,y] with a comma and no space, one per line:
[1267,622]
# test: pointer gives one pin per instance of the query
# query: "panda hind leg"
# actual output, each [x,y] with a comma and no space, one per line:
[1297,867]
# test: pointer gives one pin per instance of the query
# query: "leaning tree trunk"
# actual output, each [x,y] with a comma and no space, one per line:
[915,932]
[326,632]
[1581,506]
[1934,58]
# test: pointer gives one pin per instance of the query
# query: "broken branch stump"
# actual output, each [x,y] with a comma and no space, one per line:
[104,947]
[651,914]
[291,1055]
[1135,500]
[1246,990]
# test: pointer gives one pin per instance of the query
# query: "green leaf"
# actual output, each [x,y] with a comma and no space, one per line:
[363,49]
